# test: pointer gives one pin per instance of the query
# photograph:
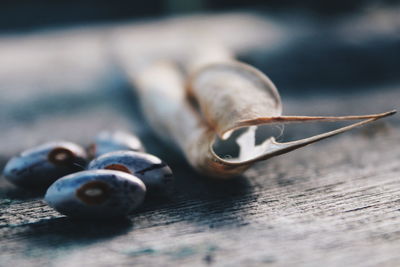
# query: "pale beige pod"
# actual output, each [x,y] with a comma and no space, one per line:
[233,95]
[216,100]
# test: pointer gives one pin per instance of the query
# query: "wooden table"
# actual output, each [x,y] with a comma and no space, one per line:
[335,203]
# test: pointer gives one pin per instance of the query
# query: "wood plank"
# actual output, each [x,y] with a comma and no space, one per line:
[332,203]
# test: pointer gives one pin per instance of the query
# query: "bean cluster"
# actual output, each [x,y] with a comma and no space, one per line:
[112,184]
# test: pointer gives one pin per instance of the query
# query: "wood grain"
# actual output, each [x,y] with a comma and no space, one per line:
[335,203]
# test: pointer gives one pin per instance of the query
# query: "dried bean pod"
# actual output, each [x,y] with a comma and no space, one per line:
[223,97]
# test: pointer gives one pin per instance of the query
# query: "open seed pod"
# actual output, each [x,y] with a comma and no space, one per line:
[215,101]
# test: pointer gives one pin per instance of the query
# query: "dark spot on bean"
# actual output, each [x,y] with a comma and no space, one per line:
[94,192]
[61,156]
[118,167]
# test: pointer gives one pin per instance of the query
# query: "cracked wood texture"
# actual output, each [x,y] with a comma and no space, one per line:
[334,203]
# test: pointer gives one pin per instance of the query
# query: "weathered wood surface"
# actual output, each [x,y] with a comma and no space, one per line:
[335,203]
